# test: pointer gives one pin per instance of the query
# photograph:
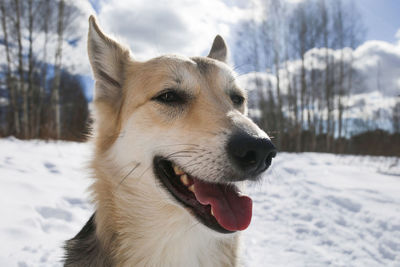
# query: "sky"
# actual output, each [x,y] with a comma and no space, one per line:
[155,27]
[381,18]
[187,27]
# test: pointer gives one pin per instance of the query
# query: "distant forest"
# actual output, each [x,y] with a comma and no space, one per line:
[302,110]
[305,110]
[40,99]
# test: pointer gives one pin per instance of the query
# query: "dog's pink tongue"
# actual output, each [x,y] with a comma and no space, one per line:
[232,211]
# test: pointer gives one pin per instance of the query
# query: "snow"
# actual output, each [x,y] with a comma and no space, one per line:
[320,209]
[311,209]
[43,199]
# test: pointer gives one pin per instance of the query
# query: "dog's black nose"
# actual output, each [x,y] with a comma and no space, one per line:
[252,155]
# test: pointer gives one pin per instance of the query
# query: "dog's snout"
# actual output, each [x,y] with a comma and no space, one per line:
[250,154]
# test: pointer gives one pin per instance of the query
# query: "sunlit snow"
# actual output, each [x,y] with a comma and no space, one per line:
[310,210]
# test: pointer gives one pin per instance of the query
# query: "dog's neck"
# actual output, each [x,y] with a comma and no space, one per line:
[138,229]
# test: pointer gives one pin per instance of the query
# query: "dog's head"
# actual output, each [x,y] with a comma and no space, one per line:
[180,123]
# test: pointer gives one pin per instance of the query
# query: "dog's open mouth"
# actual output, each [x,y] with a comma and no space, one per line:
[221,207]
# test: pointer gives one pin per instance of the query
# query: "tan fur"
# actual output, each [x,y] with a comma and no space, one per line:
[137,221]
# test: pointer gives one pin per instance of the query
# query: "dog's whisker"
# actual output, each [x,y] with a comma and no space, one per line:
[190,161]
[180,152]
[193,164]
[129,173]
[177,157]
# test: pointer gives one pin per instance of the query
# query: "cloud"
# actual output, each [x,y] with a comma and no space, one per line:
[379,64]
[75,54]
[186,27]
[151,28]
[294,1]
[154,27]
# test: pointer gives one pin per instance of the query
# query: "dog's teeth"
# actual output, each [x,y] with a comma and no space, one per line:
[184,179]
[191,188]
[178,170]
[212,213]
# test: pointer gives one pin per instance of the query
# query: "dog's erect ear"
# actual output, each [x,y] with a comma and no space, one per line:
[108,60]
[218,51]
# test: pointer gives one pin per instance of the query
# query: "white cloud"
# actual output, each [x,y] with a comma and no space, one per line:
[155,27]
[151,28]
[186,27]
[379,63]
[75,57]
[294,1]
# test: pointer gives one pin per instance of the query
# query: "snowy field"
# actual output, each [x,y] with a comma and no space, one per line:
[311,209]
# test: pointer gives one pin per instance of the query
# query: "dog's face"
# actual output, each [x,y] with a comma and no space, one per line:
[179,123]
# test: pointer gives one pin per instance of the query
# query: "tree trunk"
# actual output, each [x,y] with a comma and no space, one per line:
[278,94]
[340,99]
[327,75]
[296,116]
[30,68]
[57,71]
[22,87]
[13,110]
[292,106]
[302,94]
[313,117]
[42,87]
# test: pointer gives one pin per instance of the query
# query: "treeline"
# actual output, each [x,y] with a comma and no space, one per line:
[306,54]
[40,98]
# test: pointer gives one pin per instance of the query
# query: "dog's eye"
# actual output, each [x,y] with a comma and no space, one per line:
[237,99]
[169,97]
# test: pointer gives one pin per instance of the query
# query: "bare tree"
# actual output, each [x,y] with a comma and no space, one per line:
[46,16]
[33,9]
[278,24]
[299,31]
[325,20]
[22,88]
[10,81]
[57,70]
[396,116]
[65,27]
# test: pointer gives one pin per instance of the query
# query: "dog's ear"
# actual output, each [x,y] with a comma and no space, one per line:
[219,50]
[108,60]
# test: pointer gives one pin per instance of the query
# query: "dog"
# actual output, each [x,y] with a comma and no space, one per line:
[173,148]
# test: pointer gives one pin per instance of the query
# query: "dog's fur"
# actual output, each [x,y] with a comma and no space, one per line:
[137,222]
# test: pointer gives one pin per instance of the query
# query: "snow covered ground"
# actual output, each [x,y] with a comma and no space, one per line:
[321,209]
[311,209]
